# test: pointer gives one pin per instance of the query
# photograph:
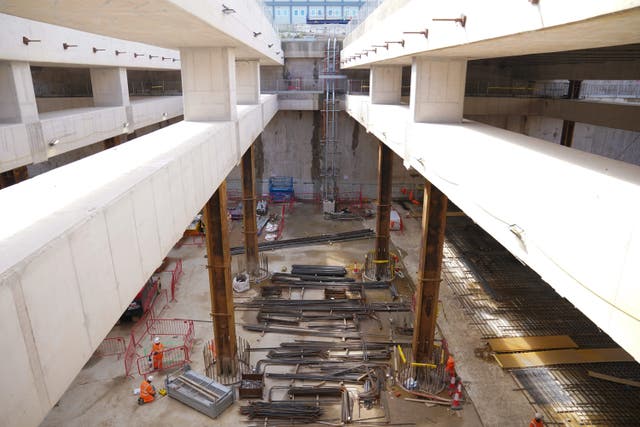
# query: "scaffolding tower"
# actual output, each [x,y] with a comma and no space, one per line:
[329,137]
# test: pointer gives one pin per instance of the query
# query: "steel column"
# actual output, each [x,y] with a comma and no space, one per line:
[434,218]
[566,137]
[383,218]
[249,211]
[220,286]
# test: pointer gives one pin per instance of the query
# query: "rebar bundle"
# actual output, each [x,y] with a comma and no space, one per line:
[282,410]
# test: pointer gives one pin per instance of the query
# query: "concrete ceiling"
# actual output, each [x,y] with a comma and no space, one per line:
[166,23]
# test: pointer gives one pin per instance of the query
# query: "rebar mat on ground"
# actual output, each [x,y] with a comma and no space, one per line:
[504,298]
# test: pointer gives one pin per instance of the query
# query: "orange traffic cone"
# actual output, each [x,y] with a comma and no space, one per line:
[455,403]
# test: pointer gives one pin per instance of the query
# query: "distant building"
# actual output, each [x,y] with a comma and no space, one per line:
[312,11]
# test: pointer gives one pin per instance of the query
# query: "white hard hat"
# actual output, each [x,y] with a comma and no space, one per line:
[150,378]
[156,340]
[538,416]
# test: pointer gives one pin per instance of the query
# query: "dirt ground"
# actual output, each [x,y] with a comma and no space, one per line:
[102,395]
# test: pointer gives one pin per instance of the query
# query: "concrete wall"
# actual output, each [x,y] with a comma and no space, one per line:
[291,147]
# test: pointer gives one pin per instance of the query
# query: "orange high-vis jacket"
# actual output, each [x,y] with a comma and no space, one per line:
[147,392]
[156,350]
[536,423]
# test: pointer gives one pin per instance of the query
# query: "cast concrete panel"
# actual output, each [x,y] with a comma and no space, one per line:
[96,277]
[170,232]
[385,84]
[59,330]
[144,209]
[14,148]
[208,84]
[15,363]
[125,253]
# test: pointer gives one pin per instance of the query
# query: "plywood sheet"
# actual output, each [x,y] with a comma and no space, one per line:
[562,357]
[509,345]
[613,379]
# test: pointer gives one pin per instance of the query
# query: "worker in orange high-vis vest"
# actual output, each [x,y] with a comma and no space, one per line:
[451,366]
[157,352]
[537,421]
[147,391]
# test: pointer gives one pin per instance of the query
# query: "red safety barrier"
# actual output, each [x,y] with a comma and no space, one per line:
[172,327]
[111,347]
[196,239]
[129,356]
[149,296]
[171,358]
[160,302]
[176,274]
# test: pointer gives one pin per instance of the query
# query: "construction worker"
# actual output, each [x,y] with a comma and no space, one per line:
[537,421]
[451,366]
[147,391]
[157,352]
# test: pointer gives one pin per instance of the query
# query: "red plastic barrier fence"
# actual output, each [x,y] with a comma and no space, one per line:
[176,274]
[172,327]
[171,358]
[148,297]
[129,355]
[111,346]
[159,303]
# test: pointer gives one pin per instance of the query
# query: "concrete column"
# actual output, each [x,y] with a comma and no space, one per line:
[208,83]
[110,88]
[220,285]
[248,82]
[383,217]
[434,218]
[385,84]
[437,89]
[249,211]
[18,105]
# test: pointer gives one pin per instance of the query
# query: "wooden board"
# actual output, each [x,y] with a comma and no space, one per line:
[561,357]
[614,379]
[551,342]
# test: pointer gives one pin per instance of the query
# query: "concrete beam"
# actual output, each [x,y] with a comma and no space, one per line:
[499,181]
[171,24]
[530,28]
[385,84]
[599,113]
[93,231]
[49,50]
